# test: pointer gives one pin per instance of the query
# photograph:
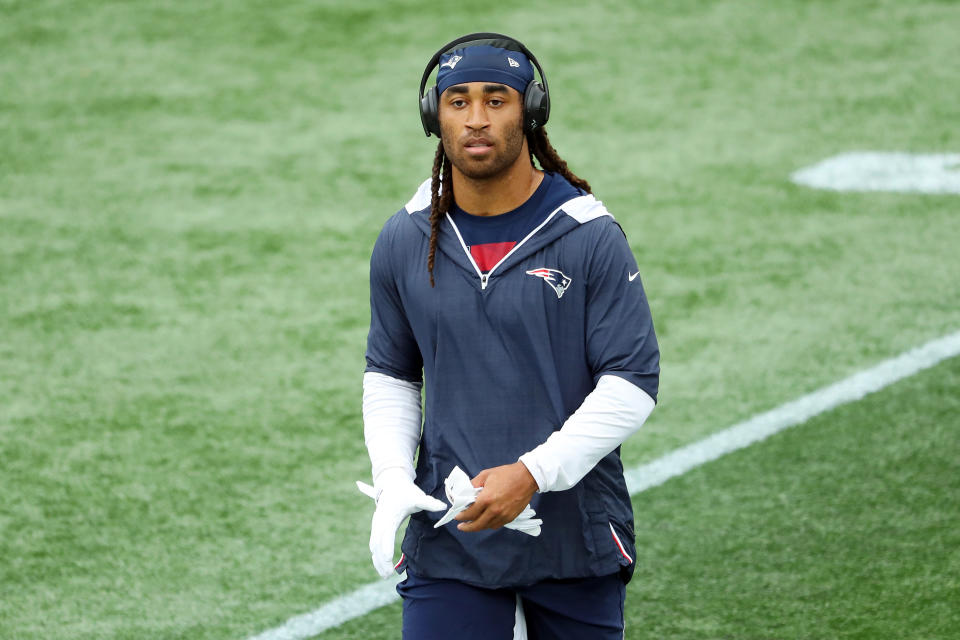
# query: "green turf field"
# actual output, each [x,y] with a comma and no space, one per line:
[189,193]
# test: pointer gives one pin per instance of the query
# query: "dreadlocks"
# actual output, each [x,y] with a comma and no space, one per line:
[540,148]
[439,202]
[550,160]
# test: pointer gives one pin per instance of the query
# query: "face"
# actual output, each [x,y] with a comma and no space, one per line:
[481,128]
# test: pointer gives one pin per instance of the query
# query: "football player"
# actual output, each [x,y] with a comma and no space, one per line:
[507,293]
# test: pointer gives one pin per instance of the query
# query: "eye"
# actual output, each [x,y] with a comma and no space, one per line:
[496,102]
[458,103]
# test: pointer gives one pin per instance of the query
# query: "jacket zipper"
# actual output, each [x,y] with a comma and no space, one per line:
[485,277]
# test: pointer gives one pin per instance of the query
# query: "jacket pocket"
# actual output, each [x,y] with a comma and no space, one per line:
[623,552]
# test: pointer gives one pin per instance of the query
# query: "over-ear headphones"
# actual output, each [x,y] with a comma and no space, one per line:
[536,97]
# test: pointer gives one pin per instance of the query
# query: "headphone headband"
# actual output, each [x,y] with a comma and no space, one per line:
[538,105]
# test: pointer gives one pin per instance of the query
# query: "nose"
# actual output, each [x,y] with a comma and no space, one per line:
[477,116]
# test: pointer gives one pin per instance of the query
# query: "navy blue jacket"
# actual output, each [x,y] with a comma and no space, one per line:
[505,358]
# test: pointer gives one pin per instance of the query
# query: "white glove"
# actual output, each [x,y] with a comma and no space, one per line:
[526,522]
[397,498]
[461,493]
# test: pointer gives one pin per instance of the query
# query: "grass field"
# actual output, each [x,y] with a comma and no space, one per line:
[189,193]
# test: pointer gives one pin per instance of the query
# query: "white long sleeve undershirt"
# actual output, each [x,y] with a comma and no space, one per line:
[391,426]
[610,413]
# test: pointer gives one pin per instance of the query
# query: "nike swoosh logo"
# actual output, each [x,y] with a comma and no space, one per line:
[632,277]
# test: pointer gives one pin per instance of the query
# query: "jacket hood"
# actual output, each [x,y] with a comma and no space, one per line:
[566,217]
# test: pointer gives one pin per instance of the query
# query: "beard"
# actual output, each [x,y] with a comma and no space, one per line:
[506,150]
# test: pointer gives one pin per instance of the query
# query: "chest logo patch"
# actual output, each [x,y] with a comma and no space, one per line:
[558,280]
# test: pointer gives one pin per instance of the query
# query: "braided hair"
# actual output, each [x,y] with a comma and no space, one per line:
[540,148]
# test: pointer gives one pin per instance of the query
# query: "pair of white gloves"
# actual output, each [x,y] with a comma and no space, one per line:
[398,498]
[392,429]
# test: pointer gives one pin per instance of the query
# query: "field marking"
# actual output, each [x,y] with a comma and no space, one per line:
[884,171]
[381,593]
[336,612]
[798,411]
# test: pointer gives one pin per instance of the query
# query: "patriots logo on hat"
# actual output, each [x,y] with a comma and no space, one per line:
[558,280]
[452,62]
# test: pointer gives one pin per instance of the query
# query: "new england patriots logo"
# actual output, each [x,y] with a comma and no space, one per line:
[557,280]
[452,62]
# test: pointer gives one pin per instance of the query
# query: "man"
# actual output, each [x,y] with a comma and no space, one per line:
[512,294]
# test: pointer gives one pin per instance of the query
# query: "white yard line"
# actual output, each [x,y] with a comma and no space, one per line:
[378,594]
[358,602]
[895,172]
[796,412]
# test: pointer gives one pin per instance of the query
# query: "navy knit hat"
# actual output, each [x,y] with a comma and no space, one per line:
[484,63]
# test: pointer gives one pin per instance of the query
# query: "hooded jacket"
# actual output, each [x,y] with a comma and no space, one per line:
[506,357]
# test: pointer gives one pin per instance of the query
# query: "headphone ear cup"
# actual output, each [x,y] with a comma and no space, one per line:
[429,112]
[536,106]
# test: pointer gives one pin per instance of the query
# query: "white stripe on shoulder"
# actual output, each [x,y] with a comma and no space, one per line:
[585,208]
[421,199]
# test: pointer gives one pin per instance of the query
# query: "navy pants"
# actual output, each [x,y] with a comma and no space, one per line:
[578,609]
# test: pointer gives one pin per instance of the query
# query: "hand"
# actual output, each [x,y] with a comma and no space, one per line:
[506,493]
[395,502]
